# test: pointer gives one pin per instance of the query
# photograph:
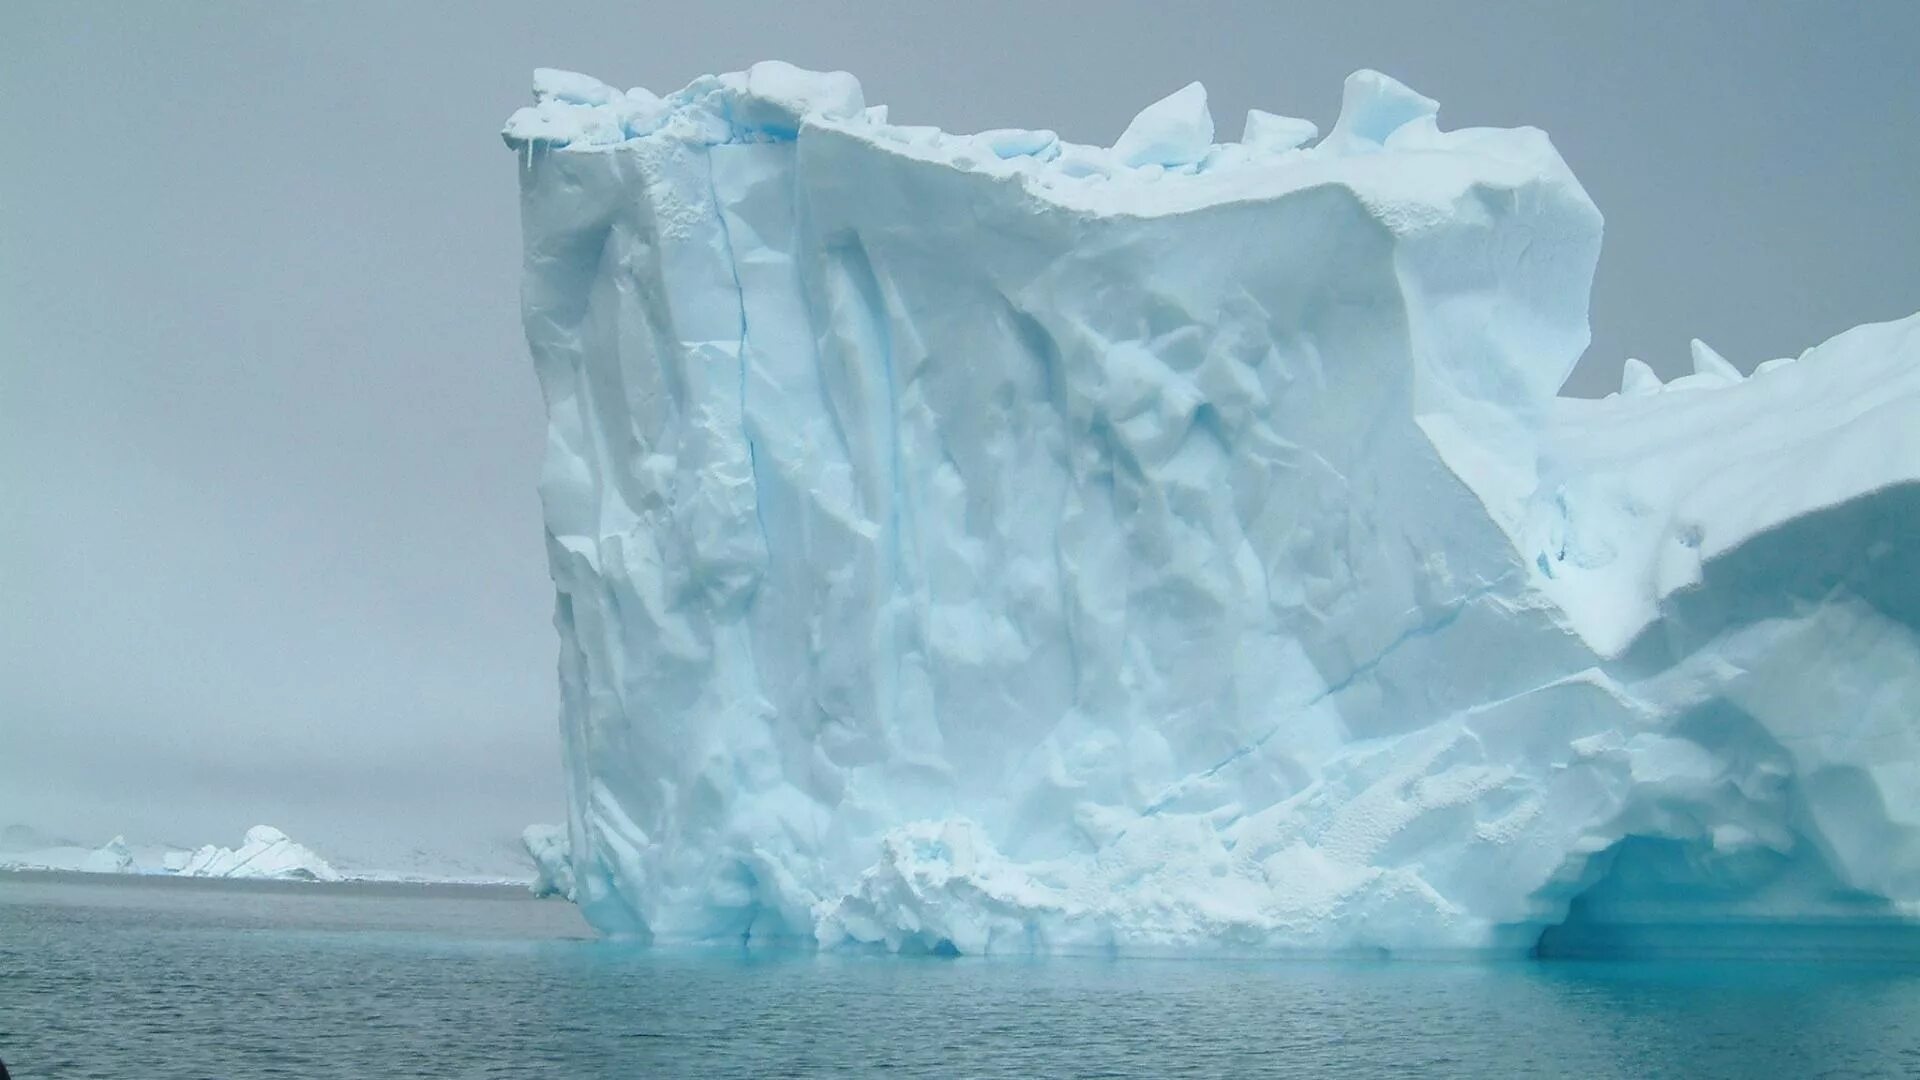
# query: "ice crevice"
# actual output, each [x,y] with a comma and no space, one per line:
[740,350]
[1345,682]
[990,543]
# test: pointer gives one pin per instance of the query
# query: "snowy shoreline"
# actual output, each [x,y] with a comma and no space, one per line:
[265,854]
[20,872]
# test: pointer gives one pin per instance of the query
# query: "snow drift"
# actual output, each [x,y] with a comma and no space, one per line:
[990,543]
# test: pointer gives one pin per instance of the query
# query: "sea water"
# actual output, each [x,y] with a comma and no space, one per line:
[144,977]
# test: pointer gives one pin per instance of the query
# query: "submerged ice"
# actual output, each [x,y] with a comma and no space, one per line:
[990,543]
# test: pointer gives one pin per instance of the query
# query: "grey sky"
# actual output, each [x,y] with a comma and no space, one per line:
[269,545]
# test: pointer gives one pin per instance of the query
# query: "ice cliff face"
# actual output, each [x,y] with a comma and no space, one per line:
[989,543]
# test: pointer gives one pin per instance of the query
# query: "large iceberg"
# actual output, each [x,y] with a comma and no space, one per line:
[988,543]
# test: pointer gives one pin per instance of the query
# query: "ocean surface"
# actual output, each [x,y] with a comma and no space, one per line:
[131,977]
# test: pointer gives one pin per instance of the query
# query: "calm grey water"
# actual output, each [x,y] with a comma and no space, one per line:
[124,977]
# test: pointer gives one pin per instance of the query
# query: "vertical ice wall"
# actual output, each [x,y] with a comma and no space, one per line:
[995,543]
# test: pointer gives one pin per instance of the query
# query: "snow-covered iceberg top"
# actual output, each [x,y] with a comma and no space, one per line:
[990,543]
[1386,142]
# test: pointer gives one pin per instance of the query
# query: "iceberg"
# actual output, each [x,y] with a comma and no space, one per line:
[266,852]
[22,848]
[989,543]
[552,861]
[113,857]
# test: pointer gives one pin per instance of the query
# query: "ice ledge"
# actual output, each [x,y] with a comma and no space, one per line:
[1166,161]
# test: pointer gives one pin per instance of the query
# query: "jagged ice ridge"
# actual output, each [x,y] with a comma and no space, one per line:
[988,543]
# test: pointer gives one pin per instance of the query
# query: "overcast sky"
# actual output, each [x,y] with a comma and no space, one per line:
[269,544]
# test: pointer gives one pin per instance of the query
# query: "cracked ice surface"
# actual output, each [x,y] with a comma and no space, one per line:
[998,544]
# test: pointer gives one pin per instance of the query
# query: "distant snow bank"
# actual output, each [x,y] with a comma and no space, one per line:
[265,854]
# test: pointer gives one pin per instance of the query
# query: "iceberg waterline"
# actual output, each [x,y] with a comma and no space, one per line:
[989,543]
